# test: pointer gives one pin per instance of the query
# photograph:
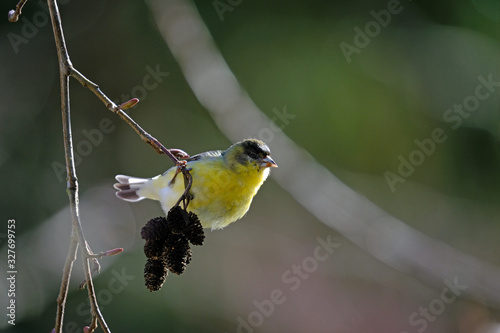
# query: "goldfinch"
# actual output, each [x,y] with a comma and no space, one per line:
[224,183]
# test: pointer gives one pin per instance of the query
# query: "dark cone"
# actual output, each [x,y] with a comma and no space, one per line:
[155,249]
[178,253]
[155,273]
[194,230]
[167,245]
[188,257]
[156,228]
[177,219]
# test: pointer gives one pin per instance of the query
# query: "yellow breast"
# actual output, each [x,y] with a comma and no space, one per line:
[221,195]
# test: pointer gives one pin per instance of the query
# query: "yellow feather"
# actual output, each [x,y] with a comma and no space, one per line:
[221,195]
[223,185]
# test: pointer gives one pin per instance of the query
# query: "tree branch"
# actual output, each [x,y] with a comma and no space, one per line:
[111,106]
[63,293]
[66,70]
[72,180]
[145,136]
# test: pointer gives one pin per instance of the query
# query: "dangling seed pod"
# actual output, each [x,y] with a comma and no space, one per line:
[178,252]
[194,230]
[167,245]
[154,249]
[155,273]
[177,220]
[156,228]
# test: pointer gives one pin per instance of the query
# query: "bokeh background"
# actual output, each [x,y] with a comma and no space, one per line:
[358,115]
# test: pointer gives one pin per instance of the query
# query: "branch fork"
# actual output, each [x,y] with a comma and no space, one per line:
[90,260]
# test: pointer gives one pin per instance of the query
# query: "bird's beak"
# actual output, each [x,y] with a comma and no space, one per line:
[268,162]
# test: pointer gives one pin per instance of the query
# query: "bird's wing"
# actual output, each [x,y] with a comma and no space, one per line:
[205,155]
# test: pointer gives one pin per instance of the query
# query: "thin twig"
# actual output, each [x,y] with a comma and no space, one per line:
[145,136]
[63,293]
[188,182]
[93,325]
[106,253]
[14,14]
[66,70]
[110,105]
[72,180]
[96,312]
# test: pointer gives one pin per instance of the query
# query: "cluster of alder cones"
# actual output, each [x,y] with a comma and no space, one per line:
[167,245]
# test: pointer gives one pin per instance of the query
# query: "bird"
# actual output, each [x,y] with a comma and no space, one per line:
[224,183]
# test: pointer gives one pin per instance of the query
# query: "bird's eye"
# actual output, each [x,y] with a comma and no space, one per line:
[253,156]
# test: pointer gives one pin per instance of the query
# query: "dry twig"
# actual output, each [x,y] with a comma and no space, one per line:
[14,14]
[78,240]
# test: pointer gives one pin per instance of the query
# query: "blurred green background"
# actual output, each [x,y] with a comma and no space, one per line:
[358,115]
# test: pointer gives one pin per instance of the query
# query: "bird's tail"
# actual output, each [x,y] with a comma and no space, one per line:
[128,187]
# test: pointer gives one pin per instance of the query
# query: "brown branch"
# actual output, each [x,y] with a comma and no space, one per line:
[72,180]
[63,293]
[188,182]
[111,106]
[145,136]
[66,70]
[14,14]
